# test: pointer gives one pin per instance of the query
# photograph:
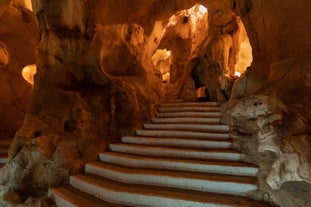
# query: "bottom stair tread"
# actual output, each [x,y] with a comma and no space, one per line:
[133,195]
[77,198]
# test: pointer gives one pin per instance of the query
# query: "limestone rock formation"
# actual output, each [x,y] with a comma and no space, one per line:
[96,81]
[276,138]
[279,72]
[18,44]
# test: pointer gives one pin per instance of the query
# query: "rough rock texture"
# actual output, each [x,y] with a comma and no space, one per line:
[4,55]
[18,44]
[219,53]
[96,81]
[281,147]
[84,95]
[278,113]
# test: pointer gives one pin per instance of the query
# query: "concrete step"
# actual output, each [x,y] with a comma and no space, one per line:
[4,148]
[142,196]
[3,159]
[186,120]
[216,154]
[189,114]
[177,142]
[170,163]
[189,109]
[189,127]
[181,134]
[137,195]
[220,167]
[68,196]
[190,104]
[203,182]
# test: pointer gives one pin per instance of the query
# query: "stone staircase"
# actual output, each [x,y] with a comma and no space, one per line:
[4,148]
[185,157]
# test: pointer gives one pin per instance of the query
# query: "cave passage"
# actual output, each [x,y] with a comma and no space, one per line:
[119,81]
[162,60]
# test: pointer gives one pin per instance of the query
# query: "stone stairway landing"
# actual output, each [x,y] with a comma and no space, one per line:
[184,157]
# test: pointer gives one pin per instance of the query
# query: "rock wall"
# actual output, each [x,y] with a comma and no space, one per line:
[219,53]
[265,103]
[96,81]
[18,44]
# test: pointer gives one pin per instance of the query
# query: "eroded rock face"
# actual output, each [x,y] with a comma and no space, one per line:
[279,70]
[273,118]
[96,82]
[83,97]
[19,39]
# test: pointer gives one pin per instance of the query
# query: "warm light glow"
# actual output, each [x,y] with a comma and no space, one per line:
[191,24]
[162,61]
[28,73]
[237,73]
[28,4]
[195,14]
[202,9]
[166,77]
[245,54]
[160,55]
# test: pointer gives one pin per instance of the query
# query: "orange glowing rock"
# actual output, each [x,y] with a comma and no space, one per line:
[28,73]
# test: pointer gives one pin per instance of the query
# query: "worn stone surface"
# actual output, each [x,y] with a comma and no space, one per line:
[280,66]
[277,148]
[96,81]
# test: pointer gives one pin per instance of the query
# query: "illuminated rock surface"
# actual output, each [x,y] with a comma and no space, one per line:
[98,79]
[19,40]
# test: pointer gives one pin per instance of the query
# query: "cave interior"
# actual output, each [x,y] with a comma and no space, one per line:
[79,79]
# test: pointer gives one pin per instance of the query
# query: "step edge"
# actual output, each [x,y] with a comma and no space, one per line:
[111,198]
[176,164]
[226,187]
[59,197]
